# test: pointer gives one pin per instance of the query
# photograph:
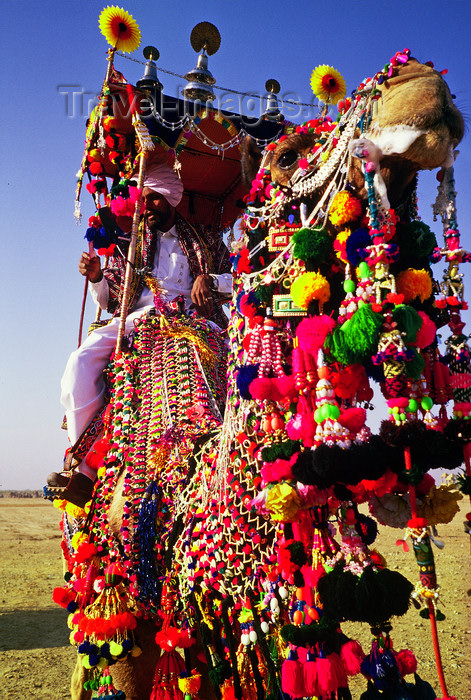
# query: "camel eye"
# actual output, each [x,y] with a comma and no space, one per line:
[288,159]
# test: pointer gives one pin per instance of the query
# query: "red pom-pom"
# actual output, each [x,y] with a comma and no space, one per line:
[96,168]
[85,551]
[264,388]
[63,596]
[406,662]
[417,523]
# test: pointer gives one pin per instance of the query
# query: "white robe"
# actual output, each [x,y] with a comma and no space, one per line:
[82,385]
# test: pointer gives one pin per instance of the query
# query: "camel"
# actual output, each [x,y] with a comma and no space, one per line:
[227,570]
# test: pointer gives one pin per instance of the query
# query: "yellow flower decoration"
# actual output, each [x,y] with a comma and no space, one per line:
[120,29]
[327,84]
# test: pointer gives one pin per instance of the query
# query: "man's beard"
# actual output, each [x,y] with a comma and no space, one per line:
[158,220]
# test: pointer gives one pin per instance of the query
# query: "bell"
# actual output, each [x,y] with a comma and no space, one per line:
[204,37]
[272,112]
[149,80]
[199,81]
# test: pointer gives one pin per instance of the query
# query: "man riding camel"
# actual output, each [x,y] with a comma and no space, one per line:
[190,265]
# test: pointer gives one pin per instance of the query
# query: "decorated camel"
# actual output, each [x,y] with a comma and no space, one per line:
[224,545]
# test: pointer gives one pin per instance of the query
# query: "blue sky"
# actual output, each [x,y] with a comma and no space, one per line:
[53,48]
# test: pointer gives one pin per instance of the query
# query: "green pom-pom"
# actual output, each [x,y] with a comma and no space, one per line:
[357,338]
[283,450]
[424,613]
[264,293]
[415,366]
[439,616]
[416,240]
[311,244]
[408,322]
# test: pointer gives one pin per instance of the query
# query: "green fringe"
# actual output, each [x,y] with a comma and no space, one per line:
[357,339]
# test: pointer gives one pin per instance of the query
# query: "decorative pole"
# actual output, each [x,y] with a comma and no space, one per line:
[147,145]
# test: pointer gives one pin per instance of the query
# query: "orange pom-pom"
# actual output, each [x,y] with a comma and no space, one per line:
[414,283]
[344,208]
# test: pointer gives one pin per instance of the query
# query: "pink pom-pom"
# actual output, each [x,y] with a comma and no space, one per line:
[313,331]
[353,418]
[264,388]
[278,470]
[427,331]
[285,386]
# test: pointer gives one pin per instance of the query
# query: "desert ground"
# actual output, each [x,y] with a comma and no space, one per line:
[36,660]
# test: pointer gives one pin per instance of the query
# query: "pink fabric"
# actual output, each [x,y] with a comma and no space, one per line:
[163,179]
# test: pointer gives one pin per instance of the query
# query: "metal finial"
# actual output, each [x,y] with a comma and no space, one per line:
[272,111]
[149,80]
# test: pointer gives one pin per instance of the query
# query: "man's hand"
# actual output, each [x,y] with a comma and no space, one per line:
[90,267]
[201,295]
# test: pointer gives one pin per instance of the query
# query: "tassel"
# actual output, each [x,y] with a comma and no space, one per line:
[292,681]
[329,678]
[247,682]
[146,536]
[352,655]
[311,684]
[167,671]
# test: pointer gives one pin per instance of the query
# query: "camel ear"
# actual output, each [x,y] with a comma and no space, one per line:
[250,159]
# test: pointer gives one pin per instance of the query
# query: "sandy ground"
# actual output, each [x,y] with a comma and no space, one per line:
[36,660]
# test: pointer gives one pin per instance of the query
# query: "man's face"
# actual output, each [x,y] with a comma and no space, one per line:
[159,214]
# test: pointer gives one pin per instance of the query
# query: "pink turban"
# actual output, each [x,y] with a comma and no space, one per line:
[163,179]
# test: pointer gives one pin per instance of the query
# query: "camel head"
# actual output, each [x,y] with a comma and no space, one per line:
[406,121]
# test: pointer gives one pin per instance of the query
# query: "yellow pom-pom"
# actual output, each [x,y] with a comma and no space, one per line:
[73,510]
[309,287]
[77,539]
[191,684]
[283,502]
[414,283]
[344,208]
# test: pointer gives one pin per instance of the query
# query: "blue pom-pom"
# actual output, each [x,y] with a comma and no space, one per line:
[105,650]
[127,644]
[245,376]
[84,647]
[93,659]
[356,243]
[72,606]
